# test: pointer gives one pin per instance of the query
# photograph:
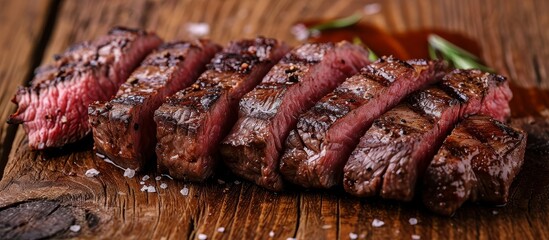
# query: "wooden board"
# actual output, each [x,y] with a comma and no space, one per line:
[43,193]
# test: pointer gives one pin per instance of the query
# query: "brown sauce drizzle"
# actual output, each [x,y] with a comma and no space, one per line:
[413,44]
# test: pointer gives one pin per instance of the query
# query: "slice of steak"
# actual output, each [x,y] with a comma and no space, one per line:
[319,146]
[477,162]
[270,111]
[193,122]
[123,128]
[401,143]
[53,109]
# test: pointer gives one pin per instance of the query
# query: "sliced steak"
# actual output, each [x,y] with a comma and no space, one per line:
[477,162]
[123,128]
[401,143]
[53,109]
[319,146]
[193,122]
[270,111]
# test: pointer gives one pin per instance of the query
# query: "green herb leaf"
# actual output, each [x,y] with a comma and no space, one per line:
[371,55]
[459,57]
[337,23]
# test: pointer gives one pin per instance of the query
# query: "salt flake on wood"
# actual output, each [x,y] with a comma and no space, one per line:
[353,235]
[416,237]
[377,223]
[412,221]
[129,173]
[221,229]
[75,228]
[184,191]
[91,172]
[198,29]
[202,236]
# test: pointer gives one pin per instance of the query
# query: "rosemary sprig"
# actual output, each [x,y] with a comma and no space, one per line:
[371,55]
[459,57]
[438,46]
[337,23]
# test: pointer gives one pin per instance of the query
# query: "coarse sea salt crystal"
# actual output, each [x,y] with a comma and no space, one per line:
[290,238]
[144,188]
[163,185]
[372,8]
[145,178]
[236,182]
[142,183]
[100,155]
[157,178]
[326,226]
[377,223]
[202,236]
[91,172]
[221,229]
[75,228]
[271,234]
[412,221]
[416,237]
[129,173]
[184,191]
[353,235]
[198,29]
[300,32]
[151,189]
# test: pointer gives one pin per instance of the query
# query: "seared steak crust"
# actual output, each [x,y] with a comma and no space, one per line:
[193,122]
[477,162]
[123,128]
[319,146]
[401,143]
[267,113]
[53,109]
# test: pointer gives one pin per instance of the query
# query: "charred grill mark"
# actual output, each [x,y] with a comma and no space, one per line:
[431,102]
[467,84]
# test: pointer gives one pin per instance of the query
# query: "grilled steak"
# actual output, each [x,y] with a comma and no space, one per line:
[193,122]
[318,148]
[123,128]
[270,111]
[478,161]
[400,144]
[53,109]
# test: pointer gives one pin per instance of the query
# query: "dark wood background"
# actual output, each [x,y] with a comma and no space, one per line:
[43,193]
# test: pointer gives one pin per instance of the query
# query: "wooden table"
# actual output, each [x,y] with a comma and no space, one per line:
[43,193]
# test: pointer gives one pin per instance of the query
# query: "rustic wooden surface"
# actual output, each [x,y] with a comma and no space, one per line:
[43,193]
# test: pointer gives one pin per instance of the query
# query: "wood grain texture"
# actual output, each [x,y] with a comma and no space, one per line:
[514,41]
[22,27]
